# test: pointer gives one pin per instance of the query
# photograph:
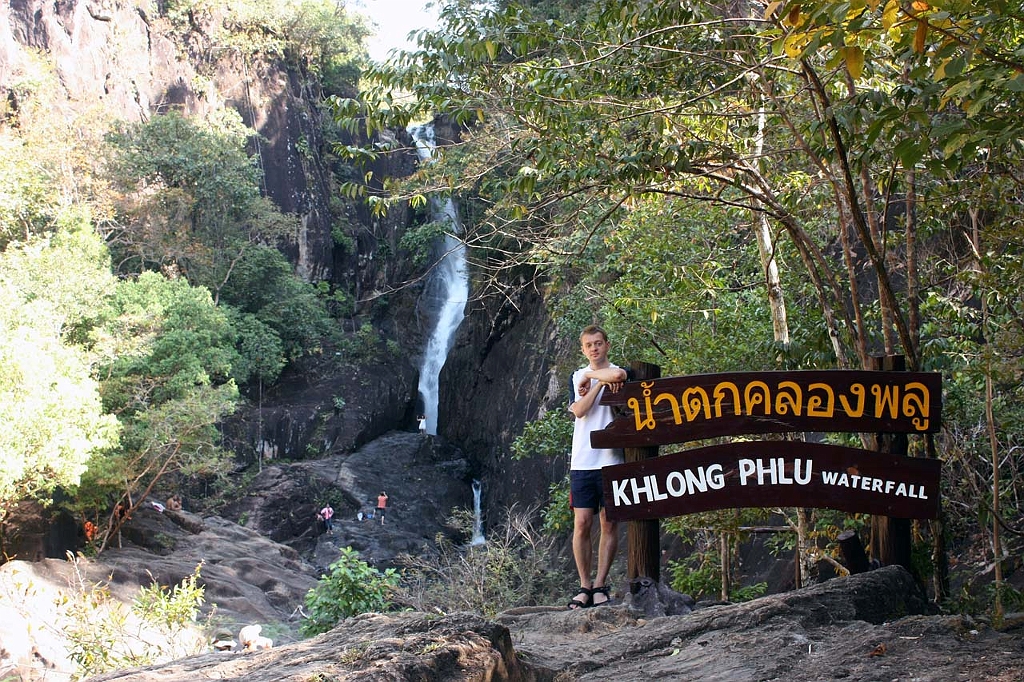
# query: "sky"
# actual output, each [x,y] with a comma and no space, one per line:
[394,19]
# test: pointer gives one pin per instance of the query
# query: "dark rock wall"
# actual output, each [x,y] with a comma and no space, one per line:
[129,61]
[504,371]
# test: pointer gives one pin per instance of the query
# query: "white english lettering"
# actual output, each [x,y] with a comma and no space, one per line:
[783,478]
[676,484]
[645,489]
[693,481]
[716,479]
[770,470]
[658,495]
[806,478]
[746,470]
[619,493]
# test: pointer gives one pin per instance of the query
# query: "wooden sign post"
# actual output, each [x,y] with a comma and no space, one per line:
[643,536]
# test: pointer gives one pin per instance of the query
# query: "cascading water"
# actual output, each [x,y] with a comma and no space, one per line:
[478,524]
[447,288]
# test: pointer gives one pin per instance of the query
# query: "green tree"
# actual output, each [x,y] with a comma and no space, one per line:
[868,138]
[51,416]
[192,197]
[264,284]
[166,357]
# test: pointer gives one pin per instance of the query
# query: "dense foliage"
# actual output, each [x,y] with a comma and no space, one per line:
[777,185]
[144,288]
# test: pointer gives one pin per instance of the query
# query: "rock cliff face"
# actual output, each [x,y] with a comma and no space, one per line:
[128,60]
[504,371]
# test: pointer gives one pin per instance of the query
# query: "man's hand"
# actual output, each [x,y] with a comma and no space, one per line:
[613,386]
[584,386]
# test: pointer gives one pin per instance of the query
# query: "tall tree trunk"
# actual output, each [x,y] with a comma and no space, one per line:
[913,278]
[886,293]
[993,439]
[766,249]
[724,558]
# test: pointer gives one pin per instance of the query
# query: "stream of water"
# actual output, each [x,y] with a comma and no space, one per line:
[446,291]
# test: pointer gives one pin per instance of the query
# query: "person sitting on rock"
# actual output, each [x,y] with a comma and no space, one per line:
[174,503]
[251,639]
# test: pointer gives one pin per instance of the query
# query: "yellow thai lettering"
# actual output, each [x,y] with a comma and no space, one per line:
[647,422]
[821,401]
[860,393]
[721,392]
[673,403]
[886,396]
[757,393]
[695,400]
[789,398]
[915,404]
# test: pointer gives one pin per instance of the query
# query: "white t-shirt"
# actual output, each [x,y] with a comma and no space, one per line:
[585,457]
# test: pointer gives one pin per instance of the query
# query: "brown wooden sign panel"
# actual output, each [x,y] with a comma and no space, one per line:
[680,409]
[773,474]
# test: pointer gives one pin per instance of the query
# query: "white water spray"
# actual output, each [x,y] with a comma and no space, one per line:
[478,524]
[447,288]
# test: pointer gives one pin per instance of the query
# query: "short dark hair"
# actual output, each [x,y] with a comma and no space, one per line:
[591,329]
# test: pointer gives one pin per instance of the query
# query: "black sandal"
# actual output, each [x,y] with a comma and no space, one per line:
[600,590]
[575,603]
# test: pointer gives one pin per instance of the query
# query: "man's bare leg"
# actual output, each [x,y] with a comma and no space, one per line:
[607,547]
[583,549]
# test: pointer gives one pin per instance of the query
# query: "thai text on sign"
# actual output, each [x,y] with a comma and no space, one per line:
[680,409]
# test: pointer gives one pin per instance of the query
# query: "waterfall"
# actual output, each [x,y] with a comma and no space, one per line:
[446,291]
[478,524]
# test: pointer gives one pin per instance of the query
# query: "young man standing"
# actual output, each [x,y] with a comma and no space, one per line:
[589,383]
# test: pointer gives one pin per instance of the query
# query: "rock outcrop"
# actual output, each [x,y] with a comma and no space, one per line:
[504,371]
[873,626]
[424,480]
[253,568]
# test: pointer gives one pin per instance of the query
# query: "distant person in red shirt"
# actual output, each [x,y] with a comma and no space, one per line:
[382,503]
[328,513]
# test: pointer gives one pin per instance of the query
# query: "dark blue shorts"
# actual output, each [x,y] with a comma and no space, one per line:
[586,489]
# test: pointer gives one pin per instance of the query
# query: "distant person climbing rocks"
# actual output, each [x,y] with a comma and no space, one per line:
[328,513]
[422,421]
[382,504]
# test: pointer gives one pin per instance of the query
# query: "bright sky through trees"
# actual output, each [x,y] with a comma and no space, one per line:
[393,20]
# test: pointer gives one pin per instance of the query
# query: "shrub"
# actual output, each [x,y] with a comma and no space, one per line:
[352,587]
[104,635]
[512,568]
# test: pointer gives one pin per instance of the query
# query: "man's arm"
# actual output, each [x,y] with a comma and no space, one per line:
[612,377]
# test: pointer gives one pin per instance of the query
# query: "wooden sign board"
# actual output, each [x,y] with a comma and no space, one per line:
[680,409]
[772,474]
